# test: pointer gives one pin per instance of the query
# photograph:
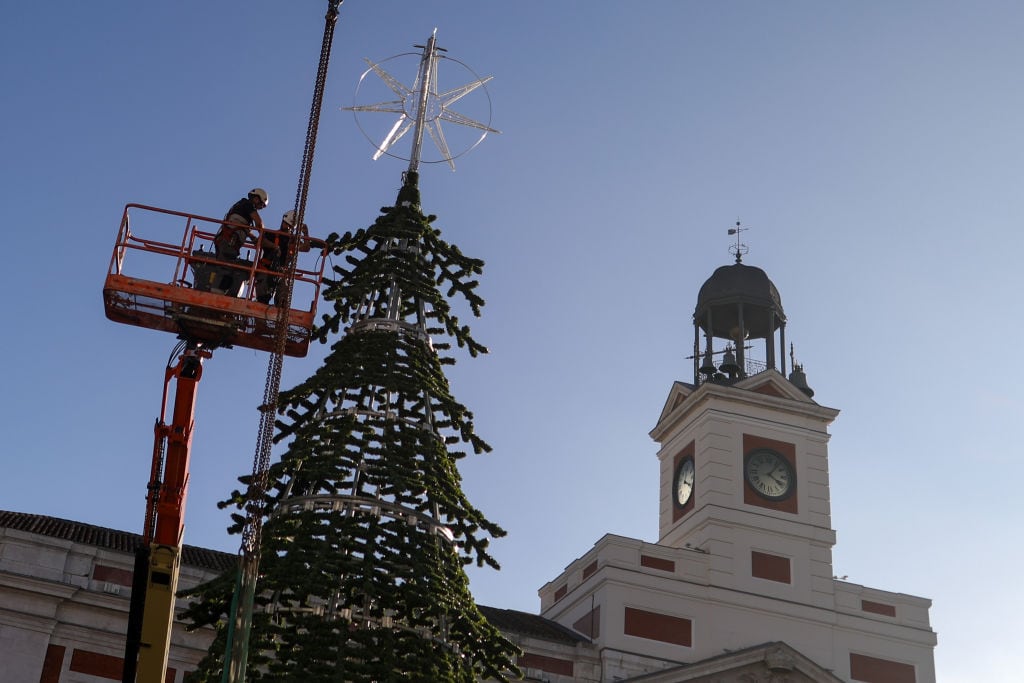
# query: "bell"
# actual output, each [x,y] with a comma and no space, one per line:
[738,334]
[708,366]
[729,365]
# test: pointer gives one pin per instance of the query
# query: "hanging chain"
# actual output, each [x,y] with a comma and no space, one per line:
[240,623]
[251,537]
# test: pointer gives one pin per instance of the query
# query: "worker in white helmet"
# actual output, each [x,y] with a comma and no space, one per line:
[275,252]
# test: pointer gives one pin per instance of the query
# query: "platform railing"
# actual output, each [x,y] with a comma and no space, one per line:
[164,274]
[196,246]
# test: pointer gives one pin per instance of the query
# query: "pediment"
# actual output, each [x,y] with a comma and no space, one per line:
[767,662]
[773,383]
[679,392]
[769,383]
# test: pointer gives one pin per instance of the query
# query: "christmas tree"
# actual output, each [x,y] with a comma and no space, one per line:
[367,530]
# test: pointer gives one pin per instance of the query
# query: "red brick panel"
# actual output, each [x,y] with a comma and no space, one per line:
[553,665]
[95,664]
[657,563]
[589,569]
[875,670]
[560,593]
[770,390]
[660,627]
[52,664]
[590,623]
[122,577]
[770,567]
[878,608]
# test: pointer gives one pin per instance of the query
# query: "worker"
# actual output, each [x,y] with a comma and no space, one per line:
[274,254]
[230,238]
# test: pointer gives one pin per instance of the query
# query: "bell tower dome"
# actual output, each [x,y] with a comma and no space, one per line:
[737,305]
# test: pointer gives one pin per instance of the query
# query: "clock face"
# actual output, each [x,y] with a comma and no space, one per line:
[769,474]
[684,482]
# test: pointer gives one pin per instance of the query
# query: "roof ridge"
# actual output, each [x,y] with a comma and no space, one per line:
[105,537]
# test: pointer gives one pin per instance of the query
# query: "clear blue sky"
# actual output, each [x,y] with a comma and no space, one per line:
[874,149]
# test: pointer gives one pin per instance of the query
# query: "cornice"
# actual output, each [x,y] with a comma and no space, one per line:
[711,392]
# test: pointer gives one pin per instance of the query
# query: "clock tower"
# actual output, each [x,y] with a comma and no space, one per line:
[739,583]
[744,461]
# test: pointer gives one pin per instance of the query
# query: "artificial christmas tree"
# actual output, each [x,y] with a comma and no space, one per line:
[367,529]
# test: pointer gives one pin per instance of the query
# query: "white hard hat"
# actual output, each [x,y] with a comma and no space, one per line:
[289,217]
[261,194]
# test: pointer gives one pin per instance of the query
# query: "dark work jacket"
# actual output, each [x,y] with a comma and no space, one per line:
[229,239]
[244,208]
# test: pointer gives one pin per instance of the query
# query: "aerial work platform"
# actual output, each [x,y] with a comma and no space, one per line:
[164,275]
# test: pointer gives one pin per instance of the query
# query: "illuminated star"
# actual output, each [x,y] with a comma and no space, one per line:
[436,108]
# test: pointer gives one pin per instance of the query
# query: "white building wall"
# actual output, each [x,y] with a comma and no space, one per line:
[730,618]
[48,596]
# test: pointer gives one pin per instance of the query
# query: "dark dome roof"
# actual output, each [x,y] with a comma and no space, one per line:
[739,284]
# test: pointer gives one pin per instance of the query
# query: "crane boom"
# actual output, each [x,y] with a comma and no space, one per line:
[158,558]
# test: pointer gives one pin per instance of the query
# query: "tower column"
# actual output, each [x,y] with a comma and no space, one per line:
[782,345]
[696,352]
[741,338]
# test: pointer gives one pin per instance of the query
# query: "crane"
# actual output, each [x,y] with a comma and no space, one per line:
[160,284]
[159,281]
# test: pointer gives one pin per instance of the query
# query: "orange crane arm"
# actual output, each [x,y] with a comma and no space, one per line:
[167,497]
[158,559]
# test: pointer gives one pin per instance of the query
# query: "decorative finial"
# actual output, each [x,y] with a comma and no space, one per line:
[798,377]
[422,108]
[738,249]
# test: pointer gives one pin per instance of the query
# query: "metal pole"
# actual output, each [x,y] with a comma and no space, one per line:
[427,63]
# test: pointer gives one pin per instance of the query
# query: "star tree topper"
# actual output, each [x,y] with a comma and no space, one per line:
[422,108]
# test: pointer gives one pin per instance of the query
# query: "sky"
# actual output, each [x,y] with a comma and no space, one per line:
[875,151]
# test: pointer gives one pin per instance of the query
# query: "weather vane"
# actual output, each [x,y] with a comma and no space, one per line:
[423,107]
[738,249]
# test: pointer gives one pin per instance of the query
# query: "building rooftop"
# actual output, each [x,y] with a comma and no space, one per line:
[506,620]
[110,539]
[531,625]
